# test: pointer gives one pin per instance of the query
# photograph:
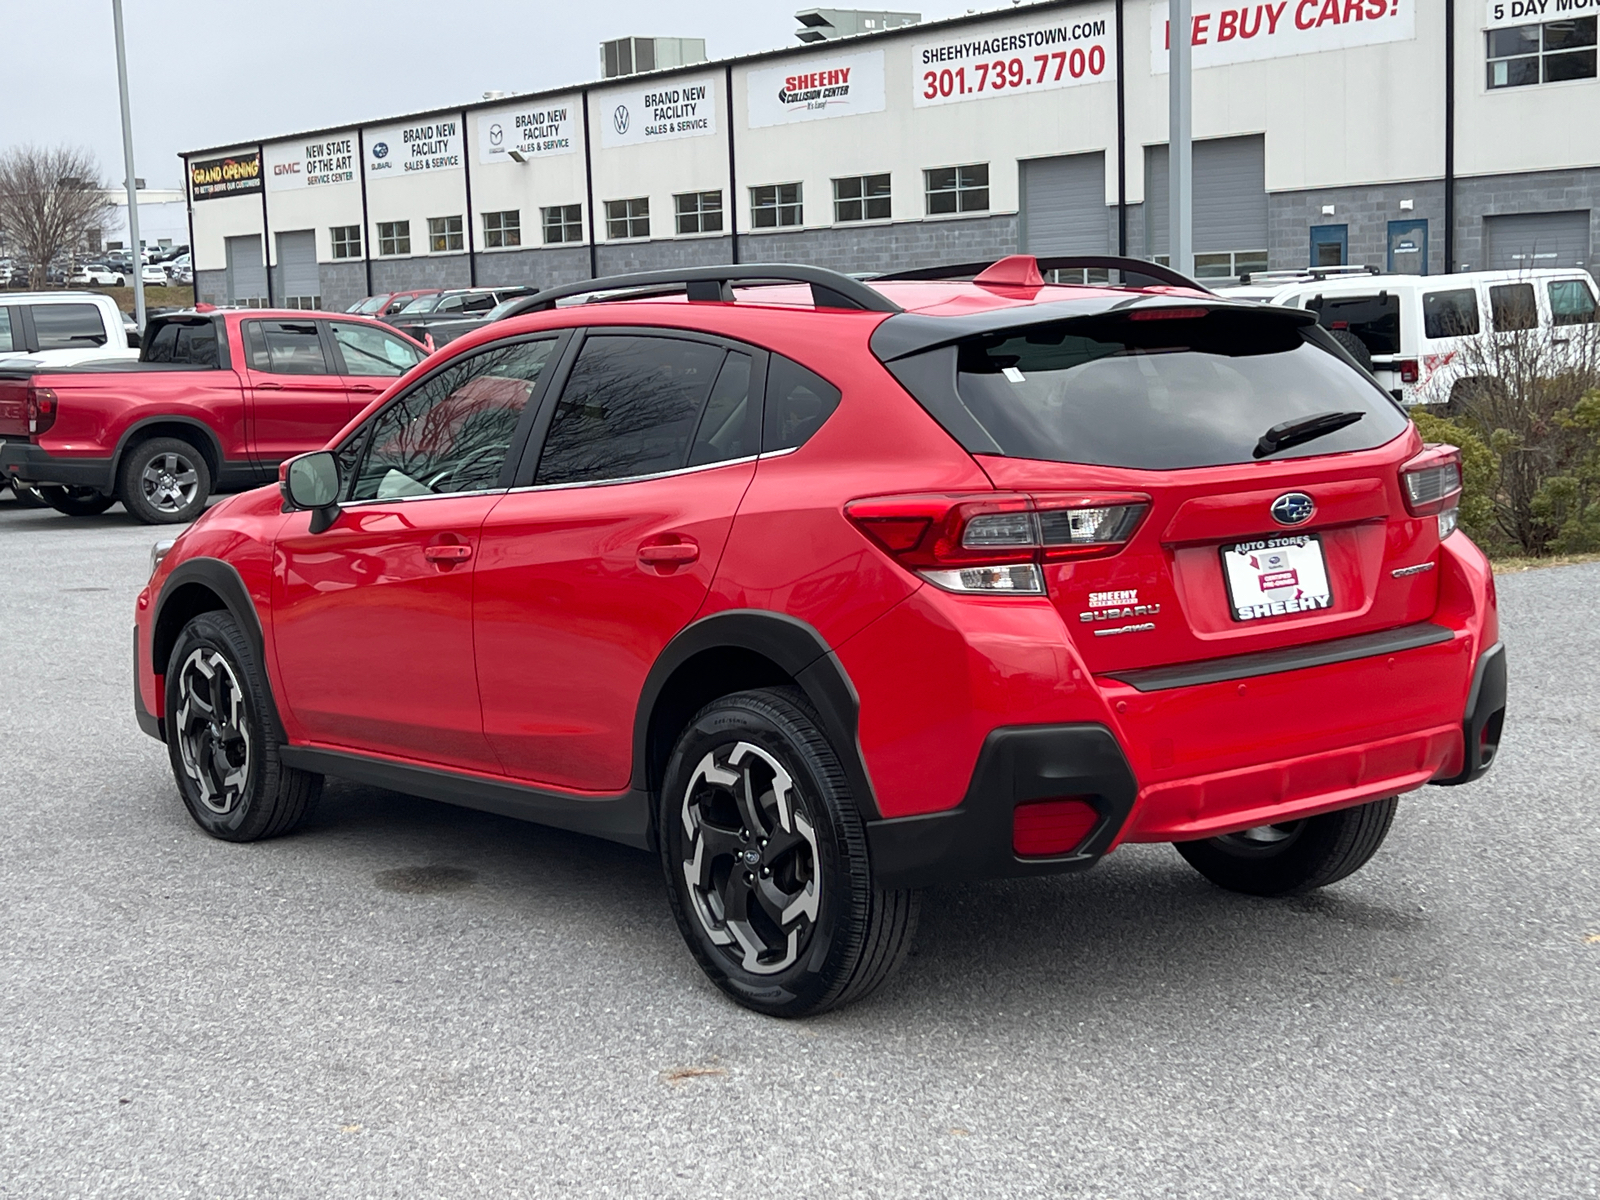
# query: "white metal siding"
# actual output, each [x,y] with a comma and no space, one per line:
[1230,195]
[247,275]
[1063,205]
[1522,241]
[297,264]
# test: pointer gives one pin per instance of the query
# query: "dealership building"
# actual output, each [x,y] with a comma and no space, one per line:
[1414,135]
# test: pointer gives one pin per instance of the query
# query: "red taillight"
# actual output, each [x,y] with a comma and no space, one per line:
[1408,370]
[1166,314]
[996,543]
[1051,828]
[41,409]
[1431,481]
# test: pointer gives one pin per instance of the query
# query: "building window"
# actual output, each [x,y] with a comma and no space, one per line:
[699,212]
[346,241]
[1223,264]
[563,223]
[957,189]
[861,198]
[1545,53]
[628,218]
[502,229]
[444,235]
[394,237]
[775,206]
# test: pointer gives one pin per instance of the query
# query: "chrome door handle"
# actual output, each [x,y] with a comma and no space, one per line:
[447,554]
[663,554]
[364,389]
[269,387]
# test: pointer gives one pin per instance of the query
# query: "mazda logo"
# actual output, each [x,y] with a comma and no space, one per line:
[620,118]
[1293,508]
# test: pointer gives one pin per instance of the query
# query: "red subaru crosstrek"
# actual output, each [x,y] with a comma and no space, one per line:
[828,591]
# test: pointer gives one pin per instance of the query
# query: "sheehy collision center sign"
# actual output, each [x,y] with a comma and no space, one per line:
[1006,58]
[394,151]
[312,164]
[534,131]
[1499,13]
[840,85]
[1224,33]
[677,106]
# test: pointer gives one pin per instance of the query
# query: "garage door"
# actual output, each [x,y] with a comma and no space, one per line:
[1521,241]
[247,276]
[1230,204]
[297,270]
[1064,205]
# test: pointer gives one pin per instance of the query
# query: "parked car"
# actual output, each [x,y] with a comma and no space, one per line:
[827,592]
[60,329]
[1415,332]
[215,401]
[447,309]
[153,275]
[385,304]
[96,275]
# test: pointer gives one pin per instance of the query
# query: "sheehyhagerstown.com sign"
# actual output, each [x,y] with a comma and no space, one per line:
[1224,33]
[1500,13]
[312,164]
[531,132]
[394,151]
[838,86]
[235,175]
[1003,59]
[677,107]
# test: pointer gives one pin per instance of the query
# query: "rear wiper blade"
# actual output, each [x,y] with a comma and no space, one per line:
[1306,429]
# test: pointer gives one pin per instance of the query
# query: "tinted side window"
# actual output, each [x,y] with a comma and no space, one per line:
[1450,314]
[1511,306]
[6,340]
[1571,302]
[475,304]
[629,408]
[1373,319]
[731,425]
[452,433]
[68,326]
[177,343]
[798,402]
[369,351]
[286,348]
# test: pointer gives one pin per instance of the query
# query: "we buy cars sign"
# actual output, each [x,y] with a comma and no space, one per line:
[1224,32]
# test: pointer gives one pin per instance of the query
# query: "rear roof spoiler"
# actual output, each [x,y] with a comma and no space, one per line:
[1131,269]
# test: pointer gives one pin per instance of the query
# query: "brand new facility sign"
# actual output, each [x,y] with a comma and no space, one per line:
[677,106]
[394,151]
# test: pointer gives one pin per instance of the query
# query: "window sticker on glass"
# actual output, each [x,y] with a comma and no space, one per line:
[1276,577]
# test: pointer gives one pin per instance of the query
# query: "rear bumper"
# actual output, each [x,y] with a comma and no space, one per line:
[1485,717]
[31,464]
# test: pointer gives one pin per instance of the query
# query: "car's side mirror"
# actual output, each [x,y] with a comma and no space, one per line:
[310,482]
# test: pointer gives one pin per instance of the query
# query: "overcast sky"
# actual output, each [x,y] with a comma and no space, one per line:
[204,72]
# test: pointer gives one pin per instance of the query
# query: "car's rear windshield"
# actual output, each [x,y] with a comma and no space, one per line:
[1157,394]
[1375,319]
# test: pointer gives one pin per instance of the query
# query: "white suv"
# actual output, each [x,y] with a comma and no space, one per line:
[61,328]
[1414,331]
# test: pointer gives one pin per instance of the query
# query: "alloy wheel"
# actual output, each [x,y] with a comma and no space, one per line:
[169,482]
[213,730]
[752,860]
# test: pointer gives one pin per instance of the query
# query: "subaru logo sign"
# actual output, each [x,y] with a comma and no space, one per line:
[1293,508]
[380,149]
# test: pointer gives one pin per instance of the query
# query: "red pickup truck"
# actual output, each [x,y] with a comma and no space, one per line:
[216,400]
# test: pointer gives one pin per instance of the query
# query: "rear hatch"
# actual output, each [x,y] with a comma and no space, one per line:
[1252,534]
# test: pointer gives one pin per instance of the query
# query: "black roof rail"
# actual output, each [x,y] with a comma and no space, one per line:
[1141,268]
[829,289]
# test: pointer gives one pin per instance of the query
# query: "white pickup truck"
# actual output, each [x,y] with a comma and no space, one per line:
[62,329]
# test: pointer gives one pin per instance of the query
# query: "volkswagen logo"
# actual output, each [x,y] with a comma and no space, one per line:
[380,149]
[1293,508]
[620,118]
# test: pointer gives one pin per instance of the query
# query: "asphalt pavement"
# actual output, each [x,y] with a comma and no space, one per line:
[410,1000]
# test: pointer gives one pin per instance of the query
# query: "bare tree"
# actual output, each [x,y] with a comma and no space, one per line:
[51,199]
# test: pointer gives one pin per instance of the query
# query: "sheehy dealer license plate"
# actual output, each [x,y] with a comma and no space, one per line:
[1275,577]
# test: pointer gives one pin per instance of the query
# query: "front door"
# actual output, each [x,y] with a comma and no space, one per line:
[1330,245]
[585,576]
[297,399]
[372,618]
[369,359]
[1408,248]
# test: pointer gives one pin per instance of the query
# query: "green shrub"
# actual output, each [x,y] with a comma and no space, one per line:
[1479,472]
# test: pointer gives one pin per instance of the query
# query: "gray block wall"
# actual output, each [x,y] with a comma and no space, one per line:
[889,247]
[342,283]
[532,267]
[419,271]
[1366,211]
[211,287]
[1532,192]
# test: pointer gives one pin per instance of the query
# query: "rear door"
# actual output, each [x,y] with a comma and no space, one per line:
[297,399]
[588,571]
[368,358]
[1235,552]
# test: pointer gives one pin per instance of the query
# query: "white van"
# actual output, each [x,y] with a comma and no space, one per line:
[1413,329]
[61,328]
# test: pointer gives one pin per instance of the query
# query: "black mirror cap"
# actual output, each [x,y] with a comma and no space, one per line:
[310,482]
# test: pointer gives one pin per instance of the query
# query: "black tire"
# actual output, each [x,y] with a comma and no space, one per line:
[27,496]
[227,769]
[806,852]
[1354,347]
[164,481]
[1283,860]
[75,501]
[121,282]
